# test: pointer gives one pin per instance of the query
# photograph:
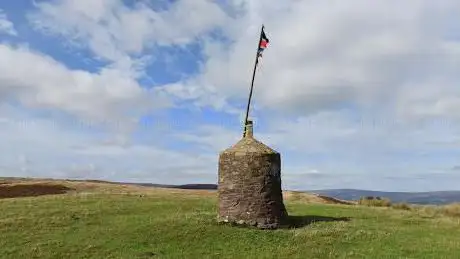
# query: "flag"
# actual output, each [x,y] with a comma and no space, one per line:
[262,44]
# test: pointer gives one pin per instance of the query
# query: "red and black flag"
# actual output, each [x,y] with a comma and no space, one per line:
[263,43]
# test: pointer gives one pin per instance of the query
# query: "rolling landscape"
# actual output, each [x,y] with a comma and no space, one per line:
[51,218]
[234,129]
[427,198]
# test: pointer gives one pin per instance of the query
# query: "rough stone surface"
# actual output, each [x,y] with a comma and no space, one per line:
[249,186]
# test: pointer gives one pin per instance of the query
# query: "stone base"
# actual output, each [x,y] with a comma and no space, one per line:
[249,185]
[260,224]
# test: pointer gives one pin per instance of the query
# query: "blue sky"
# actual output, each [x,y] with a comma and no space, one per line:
[354,95]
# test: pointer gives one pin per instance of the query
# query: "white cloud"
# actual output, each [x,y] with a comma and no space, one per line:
[38,81]
[6,26]
[374,55]
[341,150]
[47,148]
[116,32]
[210,137]
[322,55]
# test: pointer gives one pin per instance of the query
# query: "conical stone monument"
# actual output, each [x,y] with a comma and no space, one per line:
[249,186]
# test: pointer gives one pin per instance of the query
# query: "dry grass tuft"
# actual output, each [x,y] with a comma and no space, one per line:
[452,210]
[374,202]
[401,206]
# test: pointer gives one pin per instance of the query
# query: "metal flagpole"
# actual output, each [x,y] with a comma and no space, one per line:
[252,82]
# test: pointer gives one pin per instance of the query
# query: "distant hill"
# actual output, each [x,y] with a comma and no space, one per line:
[181,186]
[435,198]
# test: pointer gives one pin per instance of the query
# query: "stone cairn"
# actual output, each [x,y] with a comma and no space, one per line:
[249,186]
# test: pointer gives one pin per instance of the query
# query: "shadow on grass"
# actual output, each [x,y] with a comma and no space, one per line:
[302,221]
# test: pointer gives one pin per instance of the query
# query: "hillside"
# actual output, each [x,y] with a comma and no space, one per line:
[24,187]
[422,198]
[438,198]
[103,220]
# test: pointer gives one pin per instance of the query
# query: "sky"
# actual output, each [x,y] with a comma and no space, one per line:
[353,94]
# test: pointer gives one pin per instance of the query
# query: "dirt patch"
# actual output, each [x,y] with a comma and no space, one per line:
[29,190]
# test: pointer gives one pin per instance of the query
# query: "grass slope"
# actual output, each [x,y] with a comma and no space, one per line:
[181,224]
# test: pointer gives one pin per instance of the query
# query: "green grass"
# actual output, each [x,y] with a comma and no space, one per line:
[178,226]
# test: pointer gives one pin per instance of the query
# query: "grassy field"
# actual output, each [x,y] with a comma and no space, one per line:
[181,224]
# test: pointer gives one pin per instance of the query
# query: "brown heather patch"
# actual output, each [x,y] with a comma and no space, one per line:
[9,190]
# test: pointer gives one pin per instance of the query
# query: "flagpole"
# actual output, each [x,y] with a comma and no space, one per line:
[252,82]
